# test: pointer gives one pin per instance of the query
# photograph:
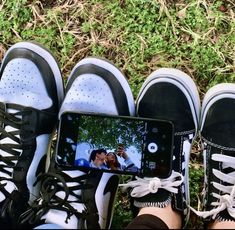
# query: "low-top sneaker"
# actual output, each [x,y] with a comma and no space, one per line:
[169,94]
[217,130]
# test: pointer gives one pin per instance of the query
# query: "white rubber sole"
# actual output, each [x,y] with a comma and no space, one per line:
[45,54]
[215,93]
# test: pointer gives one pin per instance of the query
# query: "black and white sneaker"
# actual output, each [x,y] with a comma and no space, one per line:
[217,129]
[31,92]
[169,94]
[71,198]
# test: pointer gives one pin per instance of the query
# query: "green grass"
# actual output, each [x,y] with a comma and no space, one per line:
[138,36]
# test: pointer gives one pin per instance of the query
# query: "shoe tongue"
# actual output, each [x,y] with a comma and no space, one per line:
[160,199]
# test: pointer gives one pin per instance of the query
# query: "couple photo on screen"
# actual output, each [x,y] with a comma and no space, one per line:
[103,159]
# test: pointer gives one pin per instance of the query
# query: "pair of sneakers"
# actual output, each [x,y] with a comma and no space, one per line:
[36,191]
[172,95]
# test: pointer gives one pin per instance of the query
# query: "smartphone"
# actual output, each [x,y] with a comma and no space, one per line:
[116,144]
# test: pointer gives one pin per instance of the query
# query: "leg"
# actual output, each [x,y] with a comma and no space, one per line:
[222,225]
[172,218]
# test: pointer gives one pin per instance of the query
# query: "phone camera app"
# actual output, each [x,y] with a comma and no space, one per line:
[152,147]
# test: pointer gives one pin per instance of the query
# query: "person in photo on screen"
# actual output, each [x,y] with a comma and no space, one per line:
[113,163]
[98,159]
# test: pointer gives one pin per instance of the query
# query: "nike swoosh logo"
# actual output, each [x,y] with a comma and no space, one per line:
[111,187]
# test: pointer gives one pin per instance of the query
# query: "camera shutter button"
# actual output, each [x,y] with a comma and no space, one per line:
[152,147]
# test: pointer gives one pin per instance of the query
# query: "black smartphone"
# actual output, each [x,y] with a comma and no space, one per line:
[117,144]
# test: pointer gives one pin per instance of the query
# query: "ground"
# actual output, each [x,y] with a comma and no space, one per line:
[138,36]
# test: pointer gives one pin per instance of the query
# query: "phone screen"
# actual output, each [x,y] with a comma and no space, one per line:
[126,145]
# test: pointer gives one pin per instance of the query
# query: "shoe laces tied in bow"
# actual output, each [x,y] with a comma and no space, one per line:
[144,186]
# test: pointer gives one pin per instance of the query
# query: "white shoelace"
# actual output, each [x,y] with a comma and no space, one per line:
[227,200]
[144,186]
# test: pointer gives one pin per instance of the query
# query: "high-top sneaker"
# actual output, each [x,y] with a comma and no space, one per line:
[217,129]
[31,92]
[71,198]
[169,94]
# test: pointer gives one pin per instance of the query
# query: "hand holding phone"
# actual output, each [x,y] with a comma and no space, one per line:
[121,151]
